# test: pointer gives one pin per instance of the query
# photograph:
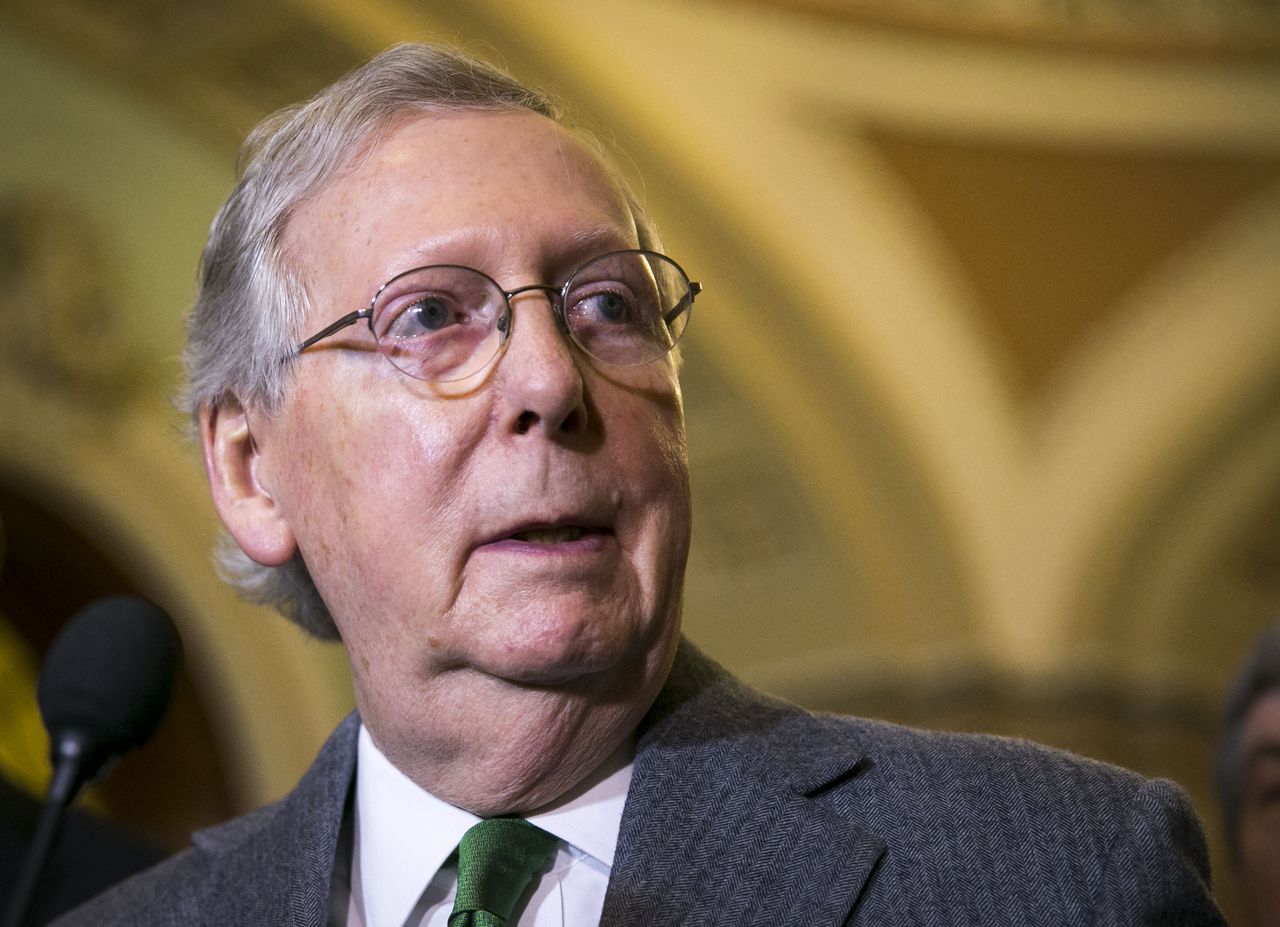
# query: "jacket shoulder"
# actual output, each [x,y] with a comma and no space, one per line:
[987,829]
[270,866]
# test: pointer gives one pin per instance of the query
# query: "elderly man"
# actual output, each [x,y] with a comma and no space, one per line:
[432,361]
[1247,776]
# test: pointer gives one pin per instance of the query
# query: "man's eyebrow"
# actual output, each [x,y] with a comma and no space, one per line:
[429,248]
[582,244]
[603,237]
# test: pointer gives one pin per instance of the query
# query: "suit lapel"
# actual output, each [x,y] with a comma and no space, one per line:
[287,851]
[737,812]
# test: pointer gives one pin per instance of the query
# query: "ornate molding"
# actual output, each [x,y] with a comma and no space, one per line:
[64,331]
[218,67]
[1243,27]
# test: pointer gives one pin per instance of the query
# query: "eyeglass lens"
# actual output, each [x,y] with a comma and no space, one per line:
[445,323]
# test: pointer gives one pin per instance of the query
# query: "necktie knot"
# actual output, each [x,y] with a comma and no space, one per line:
[497,860]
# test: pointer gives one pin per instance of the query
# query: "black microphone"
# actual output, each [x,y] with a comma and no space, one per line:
[104,688]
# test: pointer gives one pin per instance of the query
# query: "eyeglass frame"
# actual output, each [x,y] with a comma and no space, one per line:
[555,296]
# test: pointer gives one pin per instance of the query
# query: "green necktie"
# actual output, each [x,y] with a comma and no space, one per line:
[497,859]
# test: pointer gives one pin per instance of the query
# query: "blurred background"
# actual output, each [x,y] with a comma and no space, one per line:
[983,393]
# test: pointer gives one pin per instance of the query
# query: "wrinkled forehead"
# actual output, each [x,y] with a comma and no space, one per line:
[503,168]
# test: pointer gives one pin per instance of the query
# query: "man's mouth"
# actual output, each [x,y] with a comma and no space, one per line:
[558,535]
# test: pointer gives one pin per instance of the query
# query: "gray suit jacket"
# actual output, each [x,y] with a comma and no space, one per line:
[748,810]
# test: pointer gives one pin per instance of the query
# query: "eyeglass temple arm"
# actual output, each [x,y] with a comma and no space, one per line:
[694,289]
[350,318]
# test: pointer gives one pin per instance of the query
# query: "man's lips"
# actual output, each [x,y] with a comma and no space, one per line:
[558,534]
[550,534]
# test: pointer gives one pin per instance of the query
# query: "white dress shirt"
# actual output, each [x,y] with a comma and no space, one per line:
[402,873]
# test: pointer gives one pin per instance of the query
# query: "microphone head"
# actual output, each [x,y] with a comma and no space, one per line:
[108,678]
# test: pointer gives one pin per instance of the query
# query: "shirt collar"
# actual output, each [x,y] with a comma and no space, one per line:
[406,834]
[590,815]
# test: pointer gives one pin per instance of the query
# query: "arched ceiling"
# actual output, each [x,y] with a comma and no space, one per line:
[983,393]
[987,370]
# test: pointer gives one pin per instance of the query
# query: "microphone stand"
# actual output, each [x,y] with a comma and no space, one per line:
[68,752]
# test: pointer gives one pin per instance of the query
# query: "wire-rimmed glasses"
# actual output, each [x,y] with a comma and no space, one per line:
[446,322]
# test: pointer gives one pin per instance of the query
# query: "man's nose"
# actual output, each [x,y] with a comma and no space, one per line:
[539,379]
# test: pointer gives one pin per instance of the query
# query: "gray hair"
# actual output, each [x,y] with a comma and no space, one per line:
[250,303]
[1259,675]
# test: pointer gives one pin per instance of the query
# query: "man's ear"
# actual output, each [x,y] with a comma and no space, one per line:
[245,505]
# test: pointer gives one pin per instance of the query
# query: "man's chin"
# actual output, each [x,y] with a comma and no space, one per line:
[538,668]
[559,647]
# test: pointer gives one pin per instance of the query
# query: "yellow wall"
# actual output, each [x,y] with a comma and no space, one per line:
[984,391]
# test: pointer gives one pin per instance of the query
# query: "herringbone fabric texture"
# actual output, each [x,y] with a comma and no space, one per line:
[748,812]
[497,860]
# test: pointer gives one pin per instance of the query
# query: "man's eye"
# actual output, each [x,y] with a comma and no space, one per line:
[429,313]
[605,306]
[422,316]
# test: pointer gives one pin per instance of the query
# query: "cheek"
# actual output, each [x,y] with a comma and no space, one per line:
[386,454]
[333,454]
[669,439]
[374,493]
[651,425]
[657,460]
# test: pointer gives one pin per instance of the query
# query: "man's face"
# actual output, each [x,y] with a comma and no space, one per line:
[1260,812]
[503,556]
